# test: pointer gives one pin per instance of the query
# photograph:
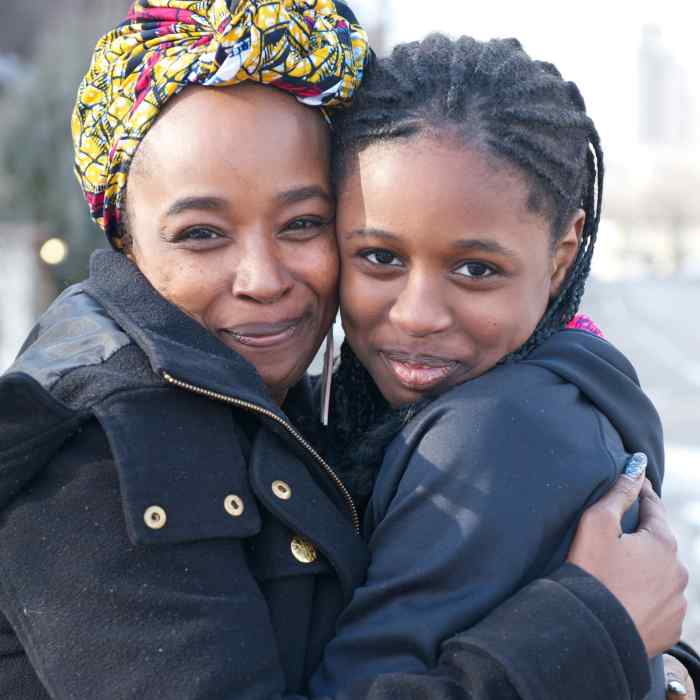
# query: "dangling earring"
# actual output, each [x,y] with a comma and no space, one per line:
[327,377]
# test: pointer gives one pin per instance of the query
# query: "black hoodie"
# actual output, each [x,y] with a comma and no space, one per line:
[480,494]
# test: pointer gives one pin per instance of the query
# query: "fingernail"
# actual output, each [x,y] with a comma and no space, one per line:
[636,465]
[676,687]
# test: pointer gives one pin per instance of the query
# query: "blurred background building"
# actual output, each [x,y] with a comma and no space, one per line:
[637,64]
[666,111]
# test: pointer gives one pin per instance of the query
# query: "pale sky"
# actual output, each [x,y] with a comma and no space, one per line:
[592,42]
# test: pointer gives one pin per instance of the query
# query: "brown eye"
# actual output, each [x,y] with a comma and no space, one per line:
[304,229]
[476,270]
[197,233]
[301,224]
[382,257]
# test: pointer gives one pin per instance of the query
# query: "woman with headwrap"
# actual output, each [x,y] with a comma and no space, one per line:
[165,529]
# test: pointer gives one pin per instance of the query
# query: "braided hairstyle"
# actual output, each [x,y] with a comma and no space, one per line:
[518,112]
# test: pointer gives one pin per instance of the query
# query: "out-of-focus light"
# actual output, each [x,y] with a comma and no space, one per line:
[54,251]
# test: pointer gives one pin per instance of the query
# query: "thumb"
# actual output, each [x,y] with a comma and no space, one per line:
[625,491]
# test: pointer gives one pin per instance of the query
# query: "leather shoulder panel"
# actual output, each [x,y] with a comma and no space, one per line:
[74,332]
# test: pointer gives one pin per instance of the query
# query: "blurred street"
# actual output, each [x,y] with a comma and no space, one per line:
[653,322]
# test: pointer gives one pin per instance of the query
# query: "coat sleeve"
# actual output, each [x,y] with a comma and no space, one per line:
[481,503]
[103,619]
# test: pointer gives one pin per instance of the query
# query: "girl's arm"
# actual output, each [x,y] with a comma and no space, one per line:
[468,510]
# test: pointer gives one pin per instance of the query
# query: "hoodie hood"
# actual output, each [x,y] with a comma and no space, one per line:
[608,380]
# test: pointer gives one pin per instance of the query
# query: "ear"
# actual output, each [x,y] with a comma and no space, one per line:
[565,251]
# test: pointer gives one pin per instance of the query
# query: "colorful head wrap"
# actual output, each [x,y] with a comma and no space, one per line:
[306,47]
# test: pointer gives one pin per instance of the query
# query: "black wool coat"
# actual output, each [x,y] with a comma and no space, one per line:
[165,531]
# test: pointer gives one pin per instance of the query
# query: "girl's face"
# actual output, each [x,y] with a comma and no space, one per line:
[444,270]
[231,216]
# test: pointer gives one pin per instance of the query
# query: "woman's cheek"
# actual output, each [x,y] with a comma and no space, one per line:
[192,287]
[321,270]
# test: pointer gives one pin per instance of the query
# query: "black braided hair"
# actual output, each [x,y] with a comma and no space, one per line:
[517,111]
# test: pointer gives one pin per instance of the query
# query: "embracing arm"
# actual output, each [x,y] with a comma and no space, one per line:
[483,663]
[455,540]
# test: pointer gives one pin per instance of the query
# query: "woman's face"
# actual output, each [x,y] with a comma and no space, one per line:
[231,216]
[444,270]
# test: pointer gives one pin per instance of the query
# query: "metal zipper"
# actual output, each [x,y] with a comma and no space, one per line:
[247,405]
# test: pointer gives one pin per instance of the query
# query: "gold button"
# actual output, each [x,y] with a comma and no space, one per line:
[282,490]
[234,505]
[303,550]
[155,517]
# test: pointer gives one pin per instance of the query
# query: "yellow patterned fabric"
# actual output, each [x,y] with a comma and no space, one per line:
[311,48]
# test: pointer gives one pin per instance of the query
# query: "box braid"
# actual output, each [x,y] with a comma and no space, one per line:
[519,113]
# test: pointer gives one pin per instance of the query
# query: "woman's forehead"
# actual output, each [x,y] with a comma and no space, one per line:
[246,116]
[243,131]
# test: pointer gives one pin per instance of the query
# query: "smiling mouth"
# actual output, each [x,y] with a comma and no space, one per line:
[264,335]
[418,372]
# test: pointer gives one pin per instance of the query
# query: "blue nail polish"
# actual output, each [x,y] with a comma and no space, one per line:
[636,465]
[676,688]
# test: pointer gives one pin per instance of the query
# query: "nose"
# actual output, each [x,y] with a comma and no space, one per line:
[420,308]
[261,274]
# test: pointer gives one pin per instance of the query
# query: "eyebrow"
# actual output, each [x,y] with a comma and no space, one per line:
[196,203]
[485,246]
[374,233]
[301,194]
[293,196]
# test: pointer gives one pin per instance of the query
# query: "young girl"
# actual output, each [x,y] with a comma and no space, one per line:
[470,183]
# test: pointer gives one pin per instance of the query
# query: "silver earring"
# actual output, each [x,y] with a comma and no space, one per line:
[327,377]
